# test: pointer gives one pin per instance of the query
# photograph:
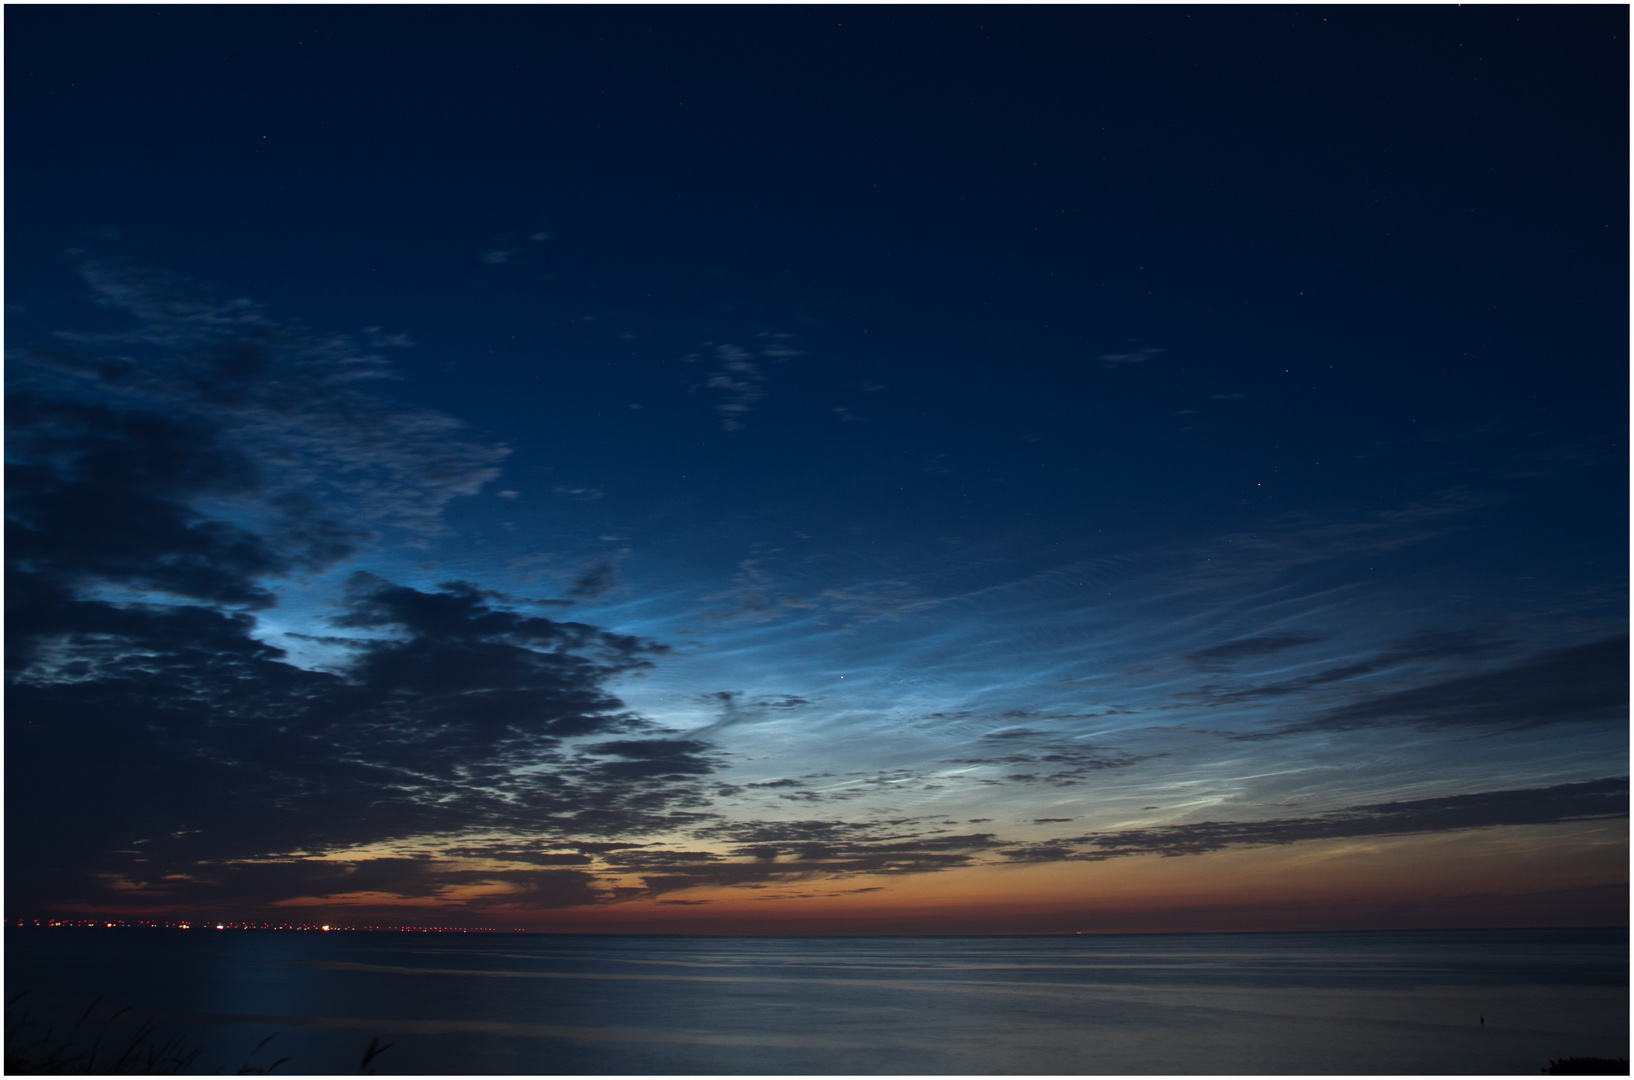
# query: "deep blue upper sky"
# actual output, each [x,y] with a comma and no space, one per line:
[1227,405]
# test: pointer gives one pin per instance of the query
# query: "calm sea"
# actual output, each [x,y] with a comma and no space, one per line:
[1380,1002]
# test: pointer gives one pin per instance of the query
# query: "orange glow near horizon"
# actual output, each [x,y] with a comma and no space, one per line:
[1573,874]
[1535,875]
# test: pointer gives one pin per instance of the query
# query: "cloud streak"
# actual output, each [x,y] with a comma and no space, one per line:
[1582,684]
[1590,800]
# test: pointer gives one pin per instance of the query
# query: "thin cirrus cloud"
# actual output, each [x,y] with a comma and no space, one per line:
[736,376]
[1113,361]
[511,248]
[296,403]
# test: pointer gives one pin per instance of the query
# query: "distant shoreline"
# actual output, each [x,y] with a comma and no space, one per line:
[205,924]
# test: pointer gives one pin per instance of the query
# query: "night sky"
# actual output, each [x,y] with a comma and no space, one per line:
[857,469]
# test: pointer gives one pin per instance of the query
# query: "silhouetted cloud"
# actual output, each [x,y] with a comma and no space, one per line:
[1575,685]
[801,850]
[297,402]
[1247,648]
[503,853]
[191,742]
[1414,650]
[644,758]
[1055,762]
[99,496]
[1592,799]
[598,577]
[162,752]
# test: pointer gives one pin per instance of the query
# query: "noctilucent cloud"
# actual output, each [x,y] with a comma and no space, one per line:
[818,469]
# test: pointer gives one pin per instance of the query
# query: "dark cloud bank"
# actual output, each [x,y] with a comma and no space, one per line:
[1607,798]
[163,481]
[1578,684]
[157,495]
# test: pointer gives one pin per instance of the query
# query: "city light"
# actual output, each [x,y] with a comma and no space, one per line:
[104,922]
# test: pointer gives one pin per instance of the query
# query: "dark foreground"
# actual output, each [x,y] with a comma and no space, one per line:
[1382,1003]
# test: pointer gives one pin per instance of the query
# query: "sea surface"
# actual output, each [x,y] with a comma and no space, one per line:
[1376,1002]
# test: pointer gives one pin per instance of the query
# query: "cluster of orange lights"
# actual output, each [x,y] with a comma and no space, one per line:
[206,924]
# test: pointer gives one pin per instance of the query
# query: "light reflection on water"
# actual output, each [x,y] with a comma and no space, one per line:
[1386,1002]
